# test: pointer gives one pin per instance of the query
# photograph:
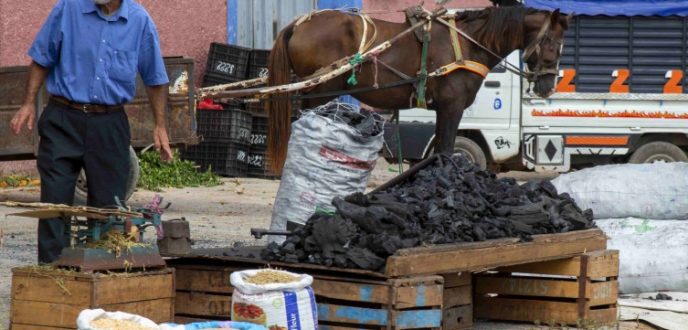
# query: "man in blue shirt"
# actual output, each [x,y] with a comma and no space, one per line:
[88,53]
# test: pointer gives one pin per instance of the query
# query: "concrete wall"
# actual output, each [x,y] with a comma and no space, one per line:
[185,28]
[388,9]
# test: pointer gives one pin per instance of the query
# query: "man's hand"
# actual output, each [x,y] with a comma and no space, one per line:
[24,115]
[162,144]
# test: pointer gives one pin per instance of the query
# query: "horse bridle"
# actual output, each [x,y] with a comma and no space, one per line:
[536,47]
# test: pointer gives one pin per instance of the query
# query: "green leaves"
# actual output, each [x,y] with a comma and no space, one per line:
[179,173]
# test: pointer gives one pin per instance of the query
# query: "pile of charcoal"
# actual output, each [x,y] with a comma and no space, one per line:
[448,201]
[368,123]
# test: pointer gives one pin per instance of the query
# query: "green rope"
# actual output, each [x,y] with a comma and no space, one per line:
[355,60]
[421,103]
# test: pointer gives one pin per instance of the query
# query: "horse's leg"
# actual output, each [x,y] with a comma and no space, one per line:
[446,126]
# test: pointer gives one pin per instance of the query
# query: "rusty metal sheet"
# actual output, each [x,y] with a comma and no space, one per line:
[89,259]
[180,112]
[12,91]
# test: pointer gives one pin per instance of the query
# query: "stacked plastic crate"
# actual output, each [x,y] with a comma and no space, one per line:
[225,132]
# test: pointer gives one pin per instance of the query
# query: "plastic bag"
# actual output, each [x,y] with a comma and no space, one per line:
[653,254]
[83,321]
[650,191]
[277,305]
[329,155]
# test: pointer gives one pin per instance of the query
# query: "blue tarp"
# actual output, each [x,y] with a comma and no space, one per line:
[614,7]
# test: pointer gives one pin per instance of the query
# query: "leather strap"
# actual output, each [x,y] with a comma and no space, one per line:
[455,41]
[89,108]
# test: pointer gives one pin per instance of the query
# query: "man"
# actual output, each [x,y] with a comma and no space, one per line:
[90,52]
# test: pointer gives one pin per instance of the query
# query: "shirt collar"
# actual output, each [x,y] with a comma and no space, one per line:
[88,6]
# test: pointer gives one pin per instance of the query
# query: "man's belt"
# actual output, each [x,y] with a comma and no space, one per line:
[85,107]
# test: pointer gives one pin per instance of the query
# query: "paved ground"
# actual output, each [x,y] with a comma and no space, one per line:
[219,216]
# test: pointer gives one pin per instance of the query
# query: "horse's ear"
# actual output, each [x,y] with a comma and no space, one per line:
[554,17]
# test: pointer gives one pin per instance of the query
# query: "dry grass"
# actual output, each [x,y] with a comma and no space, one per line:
[269,276]
[111,324]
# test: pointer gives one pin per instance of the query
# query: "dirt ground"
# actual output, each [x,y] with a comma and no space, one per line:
[219,216]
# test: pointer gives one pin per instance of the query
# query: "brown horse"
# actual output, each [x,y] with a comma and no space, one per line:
[328,36]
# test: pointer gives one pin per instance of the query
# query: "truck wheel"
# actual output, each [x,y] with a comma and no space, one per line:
[81,191]
[470,150]
[658,152]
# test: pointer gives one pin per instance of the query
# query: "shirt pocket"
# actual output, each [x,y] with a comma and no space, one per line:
[123,68]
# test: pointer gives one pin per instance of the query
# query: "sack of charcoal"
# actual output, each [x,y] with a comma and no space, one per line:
[332,151]
[275,299]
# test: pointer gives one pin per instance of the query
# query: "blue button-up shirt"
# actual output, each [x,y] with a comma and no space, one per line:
[94,58]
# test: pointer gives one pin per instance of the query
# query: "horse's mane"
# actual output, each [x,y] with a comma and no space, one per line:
[496,24]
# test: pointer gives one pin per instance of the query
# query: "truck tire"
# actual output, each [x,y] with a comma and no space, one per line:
[81,191]
[658,152]
[471,150]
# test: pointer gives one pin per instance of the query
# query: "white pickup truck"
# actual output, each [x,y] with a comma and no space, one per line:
[620,99]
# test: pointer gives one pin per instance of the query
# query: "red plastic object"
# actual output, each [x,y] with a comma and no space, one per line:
[208,104]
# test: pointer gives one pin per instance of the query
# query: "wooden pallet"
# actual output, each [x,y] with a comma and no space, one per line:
[580,290]
[50,299]
[457,301]
[204,293]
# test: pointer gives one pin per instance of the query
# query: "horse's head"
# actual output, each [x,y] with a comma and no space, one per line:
[544,39]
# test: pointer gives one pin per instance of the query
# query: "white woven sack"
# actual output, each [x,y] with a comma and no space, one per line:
[83,322]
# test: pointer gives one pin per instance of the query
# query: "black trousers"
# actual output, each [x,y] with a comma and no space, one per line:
[70,140]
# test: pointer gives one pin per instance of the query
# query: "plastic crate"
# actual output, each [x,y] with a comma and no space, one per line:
[210,79]
[229,61]
[259,63]
[259,164]
[229,125]
[223,158]
[259,132]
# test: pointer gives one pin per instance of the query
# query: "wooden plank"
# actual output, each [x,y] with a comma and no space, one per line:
[118,290]
[203,304]
[180,319]
[352,315]
[602,293]
[509,309]
[338,327]
[458,296]
[193,278]
[351,291]
[465,258]
[526,286]
[603,264]
[599,317]
[452,280]
[15,326]
[61,290]
[421,295]
[51,314]
[418,318]
[157,310]
[459,317]
[565,267]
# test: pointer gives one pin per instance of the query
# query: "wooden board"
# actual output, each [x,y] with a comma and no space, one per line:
[369,293]
[62,290]
[203,304]
[513,309]
[15,326]
[204,279]
[114,290]
[460,317]
[452,280]
[487,255]
[462,295]
[597,293]
[179,319]
[604,263]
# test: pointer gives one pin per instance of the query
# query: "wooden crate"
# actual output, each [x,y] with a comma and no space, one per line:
[344,302]
[52,299]
[580,290]
[457,298]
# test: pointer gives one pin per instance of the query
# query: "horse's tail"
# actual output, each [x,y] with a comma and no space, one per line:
[279,109]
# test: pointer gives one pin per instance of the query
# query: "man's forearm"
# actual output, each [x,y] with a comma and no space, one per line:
[158,99]
[37,75]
